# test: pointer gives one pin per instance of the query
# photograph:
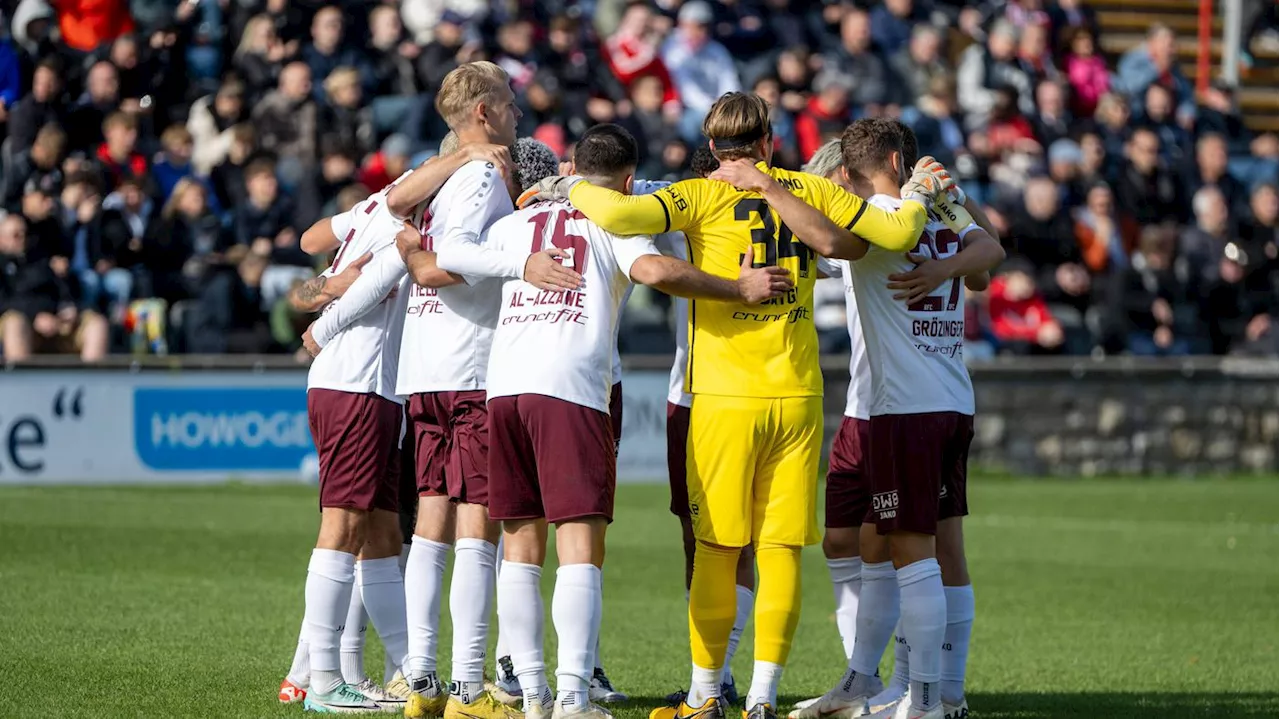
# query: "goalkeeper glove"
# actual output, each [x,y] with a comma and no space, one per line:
[549,189]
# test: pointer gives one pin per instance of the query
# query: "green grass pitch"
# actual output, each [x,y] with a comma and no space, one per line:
[1136,599]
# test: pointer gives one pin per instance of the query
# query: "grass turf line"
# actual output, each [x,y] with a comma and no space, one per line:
[1136,599]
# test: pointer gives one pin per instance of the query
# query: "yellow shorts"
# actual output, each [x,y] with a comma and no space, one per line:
[753,469]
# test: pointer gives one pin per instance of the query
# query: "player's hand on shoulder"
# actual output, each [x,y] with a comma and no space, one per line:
[344,279]
[545,271]
[497,155]
[309,342]
[408,240]
[549,188]
[757,284]
[742,174]
[927,275]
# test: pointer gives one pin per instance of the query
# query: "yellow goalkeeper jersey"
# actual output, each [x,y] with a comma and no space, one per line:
[735,349]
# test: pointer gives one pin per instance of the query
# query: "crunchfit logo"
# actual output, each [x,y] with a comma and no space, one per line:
[223,428]
[885,504]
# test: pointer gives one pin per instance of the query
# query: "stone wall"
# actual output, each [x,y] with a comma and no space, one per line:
[1117,416]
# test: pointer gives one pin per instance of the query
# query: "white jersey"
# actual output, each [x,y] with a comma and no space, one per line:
[561,343]
[858,399]
[448,332]
[915,351]
[362,357]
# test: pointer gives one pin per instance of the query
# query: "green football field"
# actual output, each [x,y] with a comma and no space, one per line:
[1137,599]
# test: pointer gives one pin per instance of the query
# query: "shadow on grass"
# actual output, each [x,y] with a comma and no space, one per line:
[1244,705]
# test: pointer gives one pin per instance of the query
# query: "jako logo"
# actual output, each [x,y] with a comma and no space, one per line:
[237,429]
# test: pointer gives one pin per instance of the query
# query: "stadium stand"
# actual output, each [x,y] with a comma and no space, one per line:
[161,160]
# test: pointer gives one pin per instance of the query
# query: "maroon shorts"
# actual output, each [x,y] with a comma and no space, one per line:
[615,416]
[918,466]
[550,458]
[848,495]
[357,437]
[677,456]
[451,445]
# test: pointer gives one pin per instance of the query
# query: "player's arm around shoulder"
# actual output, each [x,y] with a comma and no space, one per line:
[681,279]
[374,285]
[669,208]
[430,176]
[421,262]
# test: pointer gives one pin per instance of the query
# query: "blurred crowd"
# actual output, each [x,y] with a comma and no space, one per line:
[161,160]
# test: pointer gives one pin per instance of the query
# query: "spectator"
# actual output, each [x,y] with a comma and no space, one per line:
[128,204]
[651,126]
[1086,72]
[210,124]
[443,53]
[1217,113]
[326,52]
[101,247]
[794,78]
[786,152]
[857,60]
[184,244]
[891,25]
[42,106]
[390,162]
[1203,244]
[1158,117]
[933,118]
[1155,297]
[174,160]
[40,315]
[826,115]
[44,233]
[1209,169]
[516,55]
[1112,123]
[1044,237]
[88,25]
[227,177]
[1104,244]
[41,166]
[1020,318]
[31,30]
[424,17]
[1064,159]
[1242,314]
[702,68]
[1095,165]
[118,157]
[1258,234]
[344,119]
[1053,121]
[395,80]
[633,51]
[1067,17]
[265,225]
[286,120]
[260,56]
[1008,131]
[1034,56]
[985,69]
[1152,63]
[101,98]
[917,64]
[1148,191]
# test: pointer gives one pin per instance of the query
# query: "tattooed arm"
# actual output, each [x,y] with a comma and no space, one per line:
[315,293]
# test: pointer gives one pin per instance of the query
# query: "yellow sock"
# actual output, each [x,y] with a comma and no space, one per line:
[777,601]
[713,602]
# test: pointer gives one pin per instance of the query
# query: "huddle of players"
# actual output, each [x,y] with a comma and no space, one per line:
[499,327]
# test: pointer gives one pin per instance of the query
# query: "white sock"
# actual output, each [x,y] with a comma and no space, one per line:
[704,685]
[423,587]
[924,621]
[575,610]
[353,635]
[470,601]
[300,671]
[382,588]
[764,684]
[846,582]
[746,602]
[520,611]
[955,648]
[897,686]
[330,577]
[878,609]
[500,647]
